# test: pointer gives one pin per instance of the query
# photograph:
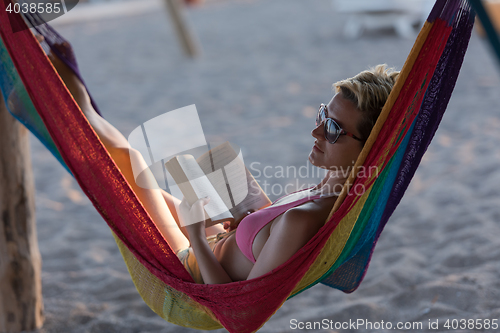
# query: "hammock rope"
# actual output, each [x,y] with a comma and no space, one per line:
[337,256]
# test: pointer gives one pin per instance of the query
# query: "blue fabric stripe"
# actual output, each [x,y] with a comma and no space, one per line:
[19,104]
[360,254]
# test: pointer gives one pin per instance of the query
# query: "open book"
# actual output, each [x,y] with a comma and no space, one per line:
[221,175]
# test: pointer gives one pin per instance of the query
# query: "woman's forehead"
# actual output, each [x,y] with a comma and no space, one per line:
[341,107]
[344,112]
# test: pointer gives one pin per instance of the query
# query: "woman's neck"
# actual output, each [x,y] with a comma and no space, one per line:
[332,183]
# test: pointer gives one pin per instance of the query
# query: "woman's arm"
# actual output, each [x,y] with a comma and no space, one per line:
[289,234]
[210,268]
[190,217]
[173,205]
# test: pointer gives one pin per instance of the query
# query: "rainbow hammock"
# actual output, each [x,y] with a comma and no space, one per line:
[337,256]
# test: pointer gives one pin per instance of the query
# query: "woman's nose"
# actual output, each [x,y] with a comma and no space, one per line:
[317,132]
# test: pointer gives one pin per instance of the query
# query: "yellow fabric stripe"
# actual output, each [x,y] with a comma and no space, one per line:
[334,246]
[170,304]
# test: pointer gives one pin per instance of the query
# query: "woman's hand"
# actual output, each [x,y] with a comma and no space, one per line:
[193,217]
[232,225]
[227,226]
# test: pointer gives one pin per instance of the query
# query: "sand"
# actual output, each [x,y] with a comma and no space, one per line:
[265,68]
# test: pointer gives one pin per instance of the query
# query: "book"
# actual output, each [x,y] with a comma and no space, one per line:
[221,175]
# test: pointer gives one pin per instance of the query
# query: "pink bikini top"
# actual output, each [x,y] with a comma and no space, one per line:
[250,226]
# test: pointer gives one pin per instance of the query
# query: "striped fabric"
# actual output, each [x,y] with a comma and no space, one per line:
[337,256]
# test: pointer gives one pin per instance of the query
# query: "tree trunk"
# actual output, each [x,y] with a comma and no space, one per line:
[21,306]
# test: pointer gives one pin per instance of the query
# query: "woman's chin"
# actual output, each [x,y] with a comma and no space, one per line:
[313,161]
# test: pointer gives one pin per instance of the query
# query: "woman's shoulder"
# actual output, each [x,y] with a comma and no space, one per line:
[289,233]
[310,215]
[314,207]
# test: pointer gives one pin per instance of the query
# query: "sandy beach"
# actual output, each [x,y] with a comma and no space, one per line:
[265,68]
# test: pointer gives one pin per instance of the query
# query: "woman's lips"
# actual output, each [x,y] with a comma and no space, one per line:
[317,149]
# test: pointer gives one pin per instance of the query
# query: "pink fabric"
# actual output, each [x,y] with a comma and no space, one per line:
[250,226]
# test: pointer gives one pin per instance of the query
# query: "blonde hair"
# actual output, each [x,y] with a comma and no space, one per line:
[368,91]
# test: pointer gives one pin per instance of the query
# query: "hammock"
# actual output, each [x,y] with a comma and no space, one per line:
[337,256]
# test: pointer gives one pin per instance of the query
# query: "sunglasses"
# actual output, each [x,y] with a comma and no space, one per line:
[332,130]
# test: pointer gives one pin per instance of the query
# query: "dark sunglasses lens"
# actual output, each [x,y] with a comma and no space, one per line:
[320,116]
[332,130]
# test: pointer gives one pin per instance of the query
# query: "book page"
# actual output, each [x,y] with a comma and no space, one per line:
[216,178]
[237,179]
[233,184]
[239,185]
[194,184]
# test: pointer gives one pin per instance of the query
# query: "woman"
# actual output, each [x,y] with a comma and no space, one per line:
[267,238]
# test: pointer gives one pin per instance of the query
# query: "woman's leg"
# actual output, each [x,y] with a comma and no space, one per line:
[117,145]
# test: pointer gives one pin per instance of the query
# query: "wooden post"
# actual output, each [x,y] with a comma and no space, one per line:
[181,28]
[21,305]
